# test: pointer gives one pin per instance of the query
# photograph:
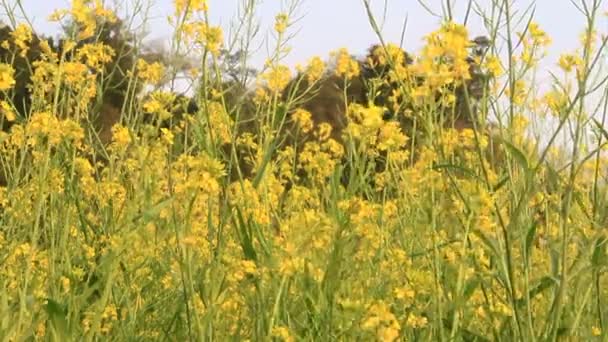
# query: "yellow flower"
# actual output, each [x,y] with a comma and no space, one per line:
[282,333]
[214,38]
[210,38]
[391,137]
[57,15]
[7,110]
[303,119]
[384,55]
[281,22]
[595,331]
[150,72]
[167,136]
[74,72]
[189,6]
[84,16]
[492,64]
[324,131]
[416,321]
[315,69]
[95,55]
[160,103]
[539,36]
[568,61]
[277,78]
[346,66]
[65,284]
[383,321]
[7,73]
[120,136]
[22,36]
[249,267]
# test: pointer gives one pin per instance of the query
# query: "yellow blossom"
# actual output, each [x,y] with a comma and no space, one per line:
[7,110]
[150,72]
[120,136]
[303,119]
[568,61]
[7,73]
[277,78]
[315,69]
[281,22]
[22,36]
[346,65]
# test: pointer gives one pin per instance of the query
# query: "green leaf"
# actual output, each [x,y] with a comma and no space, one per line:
[518,155]
[58,317]
[245,236]
[599,257]
[500,183]
[530,240]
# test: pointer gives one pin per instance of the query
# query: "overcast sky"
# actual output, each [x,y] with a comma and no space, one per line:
[328,24]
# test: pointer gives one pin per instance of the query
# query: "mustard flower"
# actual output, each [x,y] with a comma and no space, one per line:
[7,110]
[121,137]
[7,74]
[282,333]
[314,70]
[346,65]
[281,23]
[150,72]
[95,55]
[568,61]
[303,119]
[277,78]
[22,36]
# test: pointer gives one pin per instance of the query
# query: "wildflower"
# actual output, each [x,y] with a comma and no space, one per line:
[595,331]
[120,136]
[22,35]
[282,333]
[383,55]
[249,267]
[57,15]
[7,73]
[303,119]
[315,69]
[568,61]
[492,64]
[520,94]
[74,72]
[150,72]
[65,284]
[214,38]
[323,131]
[189,6]
[101,12]
[390,137]
[346,66]
[95,56]
[539,36]
[383,321]
[220,122]
[83,15]
[281,23]
[416,321]
[167,136]
[160,103]
[7,110]
[277,78]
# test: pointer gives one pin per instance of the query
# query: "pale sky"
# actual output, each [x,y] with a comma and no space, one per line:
[328,24]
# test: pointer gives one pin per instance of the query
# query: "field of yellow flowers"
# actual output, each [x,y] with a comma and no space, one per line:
[398,197]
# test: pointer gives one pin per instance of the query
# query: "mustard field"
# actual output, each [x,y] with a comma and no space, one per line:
[442,194]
